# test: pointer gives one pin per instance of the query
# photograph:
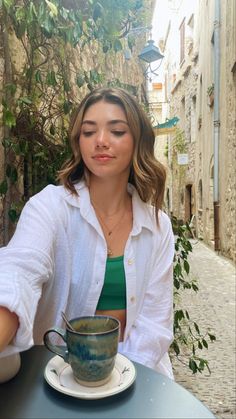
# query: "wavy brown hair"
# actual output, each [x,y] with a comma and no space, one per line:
[146,173]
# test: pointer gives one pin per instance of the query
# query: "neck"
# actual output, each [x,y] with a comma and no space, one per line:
[109,196]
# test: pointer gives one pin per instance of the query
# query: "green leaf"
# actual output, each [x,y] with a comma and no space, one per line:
[117,46]
[11,88]
[53,8]
[176,283]
[12,213]
[28,73]
[64,13]
[33,12]
[97,11]
[67,106]
[193,366]
[47,27]
[175,347]
[196,328]
[186,266]
[212,337]
[80,81]
[201,366]
[131,42]
[178,269]
[3,187]
[51,78]
[52,129]
[107,45]
[11,173]
[8,3]
[66,86]
[25,100]
[199,345]
[38,77]
[8,118]
[204,342]
[20,14]
[194,287]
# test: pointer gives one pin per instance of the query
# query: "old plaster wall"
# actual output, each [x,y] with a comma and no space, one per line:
[227,149]
[188,83]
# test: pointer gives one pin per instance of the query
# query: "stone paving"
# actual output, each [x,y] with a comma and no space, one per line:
[214,307]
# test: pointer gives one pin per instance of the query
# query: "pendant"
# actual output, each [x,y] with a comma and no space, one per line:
[109,252]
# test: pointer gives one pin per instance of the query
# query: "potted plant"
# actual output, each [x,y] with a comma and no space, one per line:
[210,93]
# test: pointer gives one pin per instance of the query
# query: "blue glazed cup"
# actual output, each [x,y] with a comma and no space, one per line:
[90,350]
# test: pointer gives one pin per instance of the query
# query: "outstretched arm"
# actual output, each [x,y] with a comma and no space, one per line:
[8,327]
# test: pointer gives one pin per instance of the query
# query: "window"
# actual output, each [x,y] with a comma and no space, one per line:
[193,119]
[182,41]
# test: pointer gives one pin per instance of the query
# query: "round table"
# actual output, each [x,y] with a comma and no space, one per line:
[152,395]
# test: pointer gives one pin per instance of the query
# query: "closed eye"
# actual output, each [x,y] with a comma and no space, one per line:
[87,133]
[118,133]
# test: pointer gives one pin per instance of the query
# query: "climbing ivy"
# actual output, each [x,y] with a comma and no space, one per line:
[63,47]
[189,339]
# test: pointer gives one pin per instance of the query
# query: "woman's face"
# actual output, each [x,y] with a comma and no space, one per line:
[106,142]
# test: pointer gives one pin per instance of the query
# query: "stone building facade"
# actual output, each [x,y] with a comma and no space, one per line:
[199,84]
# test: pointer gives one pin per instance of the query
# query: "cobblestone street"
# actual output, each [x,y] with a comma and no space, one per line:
[213,306]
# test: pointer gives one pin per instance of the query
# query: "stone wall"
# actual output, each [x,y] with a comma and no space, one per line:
[114,66]
[192,186]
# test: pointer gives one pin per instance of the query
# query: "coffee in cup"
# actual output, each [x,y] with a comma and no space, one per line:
[91,348]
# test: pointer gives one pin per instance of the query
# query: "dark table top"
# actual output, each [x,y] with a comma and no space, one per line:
[152,395]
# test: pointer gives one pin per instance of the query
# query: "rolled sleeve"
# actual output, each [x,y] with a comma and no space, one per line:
[25,265]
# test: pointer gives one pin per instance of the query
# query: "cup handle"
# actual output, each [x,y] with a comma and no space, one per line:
[58,350]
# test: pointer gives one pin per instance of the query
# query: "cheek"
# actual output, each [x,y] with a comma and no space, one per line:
[83,148]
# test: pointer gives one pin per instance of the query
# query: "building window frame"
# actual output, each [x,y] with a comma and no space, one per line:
[182,41]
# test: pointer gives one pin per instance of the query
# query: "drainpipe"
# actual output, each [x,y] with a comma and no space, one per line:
[216,136]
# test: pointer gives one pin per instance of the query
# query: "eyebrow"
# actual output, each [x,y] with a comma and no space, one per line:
[112,122]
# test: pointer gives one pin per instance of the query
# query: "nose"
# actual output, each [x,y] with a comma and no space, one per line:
[102,139]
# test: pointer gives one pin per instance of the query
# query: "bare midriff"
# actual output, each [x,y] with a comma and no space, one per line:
[118,314]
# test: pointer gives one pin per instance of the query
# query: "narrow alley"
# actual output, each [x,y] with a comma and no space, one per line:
[214,307]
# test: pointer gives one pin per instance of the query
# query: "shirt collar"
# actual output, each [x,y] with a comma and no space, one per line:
[143,213]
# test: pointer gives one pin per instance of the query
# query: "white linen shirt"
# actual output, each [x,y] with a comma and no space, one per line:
[56,262]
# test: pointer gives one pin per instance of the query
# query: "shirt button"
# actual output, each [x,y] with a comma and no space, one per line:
[132,299]
[130,261]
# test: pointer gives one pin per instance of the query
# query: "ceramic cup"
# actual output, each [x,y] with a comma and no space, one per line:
[9,367]
[90,350]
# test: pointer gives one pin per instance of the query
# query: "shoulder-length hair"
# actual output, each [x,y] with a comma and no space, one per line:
[147,175]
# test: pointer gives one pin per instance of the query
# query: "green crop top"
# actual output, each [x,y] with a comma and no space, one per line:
[113,295]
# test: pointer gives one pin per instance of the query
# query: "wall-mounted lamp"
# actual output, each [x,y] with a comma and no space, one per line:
[149,54]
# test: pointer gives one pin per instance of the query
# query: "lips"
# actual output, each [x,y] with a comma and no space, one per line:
[103,157]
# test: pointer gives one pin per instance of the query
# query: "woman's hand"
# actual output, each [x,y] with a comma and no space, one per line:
[9,324]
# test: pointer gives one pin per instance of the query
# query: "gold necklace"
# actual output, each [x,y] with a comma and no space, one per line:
[109,230]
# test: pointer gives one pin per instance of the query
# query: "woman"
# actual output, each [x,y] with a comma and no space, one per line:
[99,243]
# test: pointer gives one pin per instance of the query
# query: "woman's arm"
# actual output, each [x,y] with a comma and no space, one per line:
[9,324]
[26,263]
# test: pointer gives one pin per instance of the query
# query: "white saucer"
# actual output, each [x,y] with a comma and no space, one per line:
[59,375]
